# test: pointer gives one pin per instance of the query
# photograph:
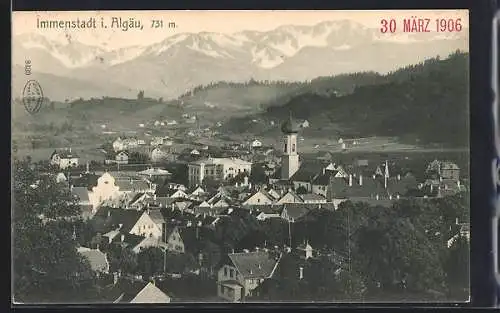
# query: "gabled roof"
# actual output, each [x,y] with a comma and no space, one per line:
[65,154]
[131,185]
[121,216]
[86,180]
[254,264]
[295,196]
[156,216]
[135,291]
[324,178]
[312,197]
[161,202]
[98,260]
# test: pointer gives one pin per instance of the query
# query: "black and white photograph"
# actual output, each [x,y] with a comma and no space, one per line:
[240,157]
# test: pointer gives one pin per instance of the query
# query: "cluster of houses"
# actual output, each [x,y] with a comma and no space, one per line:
[128,209]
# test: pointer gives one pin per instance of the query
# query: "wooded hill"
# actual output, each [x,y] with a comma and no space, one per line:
[422,103]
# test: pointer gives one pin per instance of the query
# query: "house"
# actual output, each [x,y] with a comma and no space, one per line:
[141,142]
[120,157]
[173,239]
[217,169]
[241,273]
[118,145]
[313,198]
[64,159]
[449,170]
[256,144]
[158,155]
[97,259]
[156,141]
[261,197]
[130,222]
[179,194]
[305,124]
[304,251]
[196,192]
[134,291]
[172,122]
[290,197]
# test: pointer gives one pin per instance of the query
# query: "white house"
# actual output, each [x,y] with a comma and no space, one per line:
[241,273]
[256,144]
[290,197]
[261,197]
[217,169]
[119,158]
[156,141]
[64,159]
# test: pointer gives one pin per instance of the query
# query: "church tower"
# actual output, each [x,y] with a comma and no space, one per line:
[290,158]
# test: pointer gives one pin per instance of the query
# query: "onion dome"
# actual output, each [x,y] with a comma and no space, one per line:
[290,126]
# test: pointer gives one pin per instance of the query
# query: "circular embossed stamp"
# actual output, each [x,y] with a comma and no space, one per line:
[32,96]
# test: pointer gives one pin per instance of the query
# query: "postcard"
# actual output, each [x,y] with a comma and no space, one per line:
[240,156]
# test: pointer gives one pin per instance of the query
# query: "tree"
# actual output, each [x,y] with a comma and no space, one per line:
[122,260]
[301,190]
[258,175]
[140,95]
[138,158]
[458,267]
[46,265]
[150,262]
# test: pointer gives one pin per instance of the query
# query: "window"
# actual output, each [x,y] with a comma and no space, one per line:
[258,200]
[286,146]
[225,271]
[293,147]
[231,273]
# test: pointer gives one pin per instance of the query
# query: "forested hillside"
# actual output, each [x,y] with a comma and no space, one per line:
[423,103]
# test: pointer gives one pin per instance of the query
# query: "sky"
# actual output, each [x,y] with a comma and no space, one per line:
[203,21]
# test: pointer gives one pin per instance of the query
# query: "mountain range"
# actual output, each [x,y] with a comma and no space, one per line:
[71,69]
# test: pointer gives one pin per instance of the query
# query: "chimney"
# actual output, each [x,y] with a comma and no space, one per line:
[324,171]
[123,238]
[458,183]
[87,170]
[154,197]
[360,180]
[301,272]
[390,197]
[120,225]
[456,220]
[97,247]
[109,213]
[399,176]
[376,197]
[260,266]
[70,150]
[397,196]
[350,180]
[373,176]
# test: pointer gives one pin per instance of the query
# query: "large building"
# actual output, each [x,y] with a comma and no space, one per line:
[216,169]
[290,160]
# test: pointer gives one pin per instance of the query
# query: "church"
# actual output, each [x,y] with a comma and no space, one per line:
[335,181]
